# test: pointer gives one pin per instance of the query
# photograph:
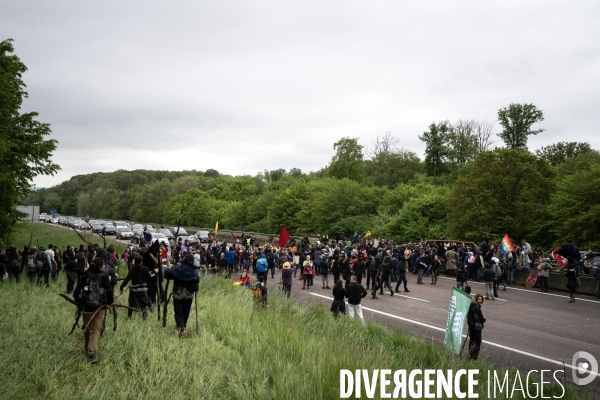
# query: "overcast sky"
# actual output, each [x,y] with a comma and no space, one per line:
[251,85]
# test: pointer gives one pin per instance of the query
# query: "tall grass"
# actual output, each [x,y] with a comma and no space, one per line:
[242,351]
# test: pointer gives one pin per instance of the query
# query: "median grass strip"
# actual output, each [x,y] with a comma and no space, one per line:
[44,234]
[243,351]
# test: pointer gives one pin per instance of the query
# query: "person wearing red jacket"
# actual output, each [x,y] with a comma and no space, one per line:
[244,278]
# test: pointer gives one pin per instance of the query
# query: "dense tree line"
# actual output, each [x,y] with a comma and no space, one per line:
[544,197]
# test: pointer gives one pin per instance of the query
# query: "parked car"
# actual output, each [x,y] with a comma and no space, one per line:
[193,240]
[203,236]
[42,217]
[97,228]
[182,232]
[122,224]
[161,238]
[165,232]
[110,229]
[124,232]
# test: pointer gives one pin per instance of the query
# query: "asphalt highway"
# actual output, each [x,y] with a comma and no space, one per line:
[525,328]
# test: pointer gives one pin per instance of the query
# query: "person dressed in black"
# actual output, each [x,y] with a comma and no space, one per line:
[91,318]
[71,268]
[185,284]
[139,276]
[338,307]
[475,320]
[359,269]
[572,280]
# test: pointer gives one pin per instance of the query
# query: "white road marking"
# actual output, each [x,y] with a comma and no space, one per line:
[561,363]
[532,291]
[413,298]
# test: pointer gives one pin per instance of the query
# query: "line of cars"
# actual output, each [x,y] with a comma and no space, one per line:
[134,233]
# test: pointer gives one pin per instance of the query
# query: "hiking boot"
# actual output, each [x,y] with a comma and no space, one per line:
[323,287]
[91,359]
[391,293]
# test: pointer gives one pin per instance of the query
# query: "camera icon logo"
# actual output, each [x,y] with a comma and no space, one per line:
[585,364]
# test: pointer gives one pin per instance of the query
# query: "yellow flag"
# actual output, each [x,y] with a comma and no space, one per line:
[216,228]
[368,234]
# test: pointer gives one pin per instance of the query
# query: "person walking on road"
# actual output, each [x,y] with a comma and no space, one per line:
[488,278]
[338,307]
[572,281]
[475,321]
[544,272]
[355,292]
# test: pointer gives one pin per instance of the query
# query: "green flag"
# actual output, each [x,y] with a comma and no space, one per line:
[457,316]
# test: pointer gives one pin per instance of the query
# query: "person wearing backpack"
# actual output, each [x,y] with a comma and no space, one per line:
[30,264]
[140,278]
[260,291]
[544,272]
[44,266]
[261,267]
[71,269]
[14,263]
[497,274]
[185,284]
[93,291]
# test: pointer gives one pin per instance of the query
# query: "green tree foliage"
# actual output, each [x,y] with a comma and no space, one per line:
[462,144]
[505,192]
[24,151]
[436,148]
[575,201]
[422,216]
[516,121]
[391,168]
[558,153]
[347,161]
[328,201]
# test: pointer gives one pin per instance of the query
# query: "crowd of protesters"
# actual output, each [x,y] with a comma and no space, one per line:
[377,264]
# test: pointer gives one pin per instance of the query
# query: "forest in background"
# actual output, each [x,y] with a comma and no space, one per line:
[461,189]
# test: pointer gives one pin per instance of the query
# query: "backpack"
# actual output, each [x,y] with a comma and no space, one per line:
[30,263]
[257,292]
[547,267]
[260,267]
[41,262]
[93,291]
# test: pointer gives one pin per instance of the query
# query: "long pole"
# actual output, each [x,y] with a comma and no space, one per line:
[465,342]
[197,325]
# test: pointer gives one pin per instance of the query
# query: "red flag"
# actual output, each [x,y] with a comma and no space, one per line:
[559,259]
[284,236]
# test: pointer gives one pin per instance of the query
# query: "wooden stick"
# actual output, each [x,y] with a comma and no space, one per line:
[465,342]
[158,295]
[197,325]
[165,306]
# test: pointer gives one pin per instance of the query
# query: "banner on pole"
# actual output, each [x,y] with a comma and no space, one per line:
[457,316]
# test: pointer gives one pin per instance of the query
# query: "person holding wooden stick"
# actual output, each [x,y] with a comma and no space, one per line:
[185,284]
[93,291]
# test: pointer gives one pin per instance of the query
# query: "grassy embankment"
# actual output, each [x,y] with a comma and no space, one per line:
[242,352]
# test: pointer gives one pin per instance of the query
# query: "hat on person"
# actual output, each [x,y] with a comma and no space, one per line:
[494,259]
[286,265]
[42,248]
